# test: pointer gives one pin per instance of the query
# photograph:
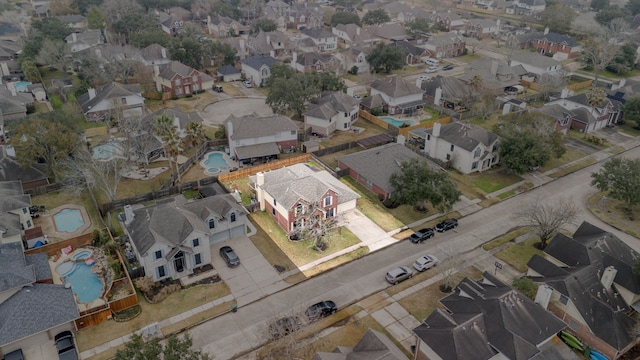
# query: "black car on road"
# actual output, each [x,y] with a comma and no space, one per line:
[446,225]
[66,347]
[447,67]
[421,235]
[320,310]
[229,256]
[285,326]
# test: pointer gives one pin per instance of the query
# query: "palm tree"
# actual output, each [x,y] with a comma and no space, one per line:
[195,134]
[595,96]
[164,127]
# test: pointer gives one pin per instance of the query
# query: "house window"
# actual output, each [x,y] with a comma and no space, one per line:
[123,101]
[346,114]
[195,78]
[574,325]
[428,137]
[474,165]
[477,153]
[212,223]
[299,210]
[195,242]
[196,87]
[495,148]
[178,91]
[448,156]
[273,211]
[564,299]
[197,259]
[158,255]
[564,121]
[293,132]
[452,146]
[28,223]
[178,82]
[369,184]
[232,217]
[329,213]
[274,202]
[346,125]
[24,210]
[161,272]
[327,200]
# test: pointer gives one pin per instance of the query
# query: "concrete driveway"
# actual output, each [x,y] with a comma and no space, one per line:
[254,278]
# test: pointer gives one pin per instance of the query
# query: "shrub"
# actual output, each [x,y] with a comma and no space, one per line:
[526,286]
[188,95]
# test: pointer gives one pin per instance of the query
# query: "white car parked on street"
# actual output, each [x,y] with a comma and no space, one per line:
[425,262]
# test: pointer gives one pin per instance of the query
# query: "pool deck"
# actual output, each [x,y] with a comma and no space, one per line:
[230,163]
[49,229]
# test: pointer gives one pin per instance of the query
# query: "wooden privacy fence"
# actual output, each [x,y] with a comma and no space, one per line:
[425,125]
[239,174]
[374,119]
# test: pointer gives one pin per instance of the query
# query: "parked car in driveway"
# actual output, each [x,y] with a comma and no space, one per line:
[421,235]
[447,67]
[399,274]
[432,70]
[425,262]
[66,347]
[320,310]
[284,326]
[229,256]
[424,78]
[447,224]
[247,83]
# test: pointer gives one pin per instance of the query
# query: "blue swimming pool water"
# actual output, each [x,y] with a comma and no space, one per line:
[107,150]
[84,283]
[214,162]
[394,122]
[68,220]
[83,254]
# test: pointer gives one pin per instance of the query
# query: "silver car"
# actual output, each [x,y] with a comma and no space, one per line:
[425,262]
[396,275]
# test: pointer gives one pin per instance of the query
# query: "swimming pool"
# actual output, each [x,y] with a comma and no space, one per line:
[107,150]
[395,122]
[68,220]
[84,283]
[214,162]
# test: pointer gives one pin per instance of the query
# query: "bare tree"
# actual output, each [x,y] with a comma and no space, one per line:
[547,218]
[552,82]
[474,44]
[448,268]
[485,107]
[598,52]
[313,223]
[55,53]
[116,9]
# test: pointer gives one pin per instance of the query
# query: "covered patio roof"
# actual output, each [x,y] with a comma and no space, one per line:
[255,151]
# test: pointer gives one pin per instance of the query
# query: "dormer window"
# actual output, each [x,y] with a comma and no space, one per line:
[327,200]
[212,224]
[195,242]
[299,209]
[477,153]
[232,217]
[158,255]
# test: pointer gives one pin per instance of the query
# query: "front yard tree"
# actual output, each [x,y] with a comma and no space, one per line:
[386,57]
[597,53]
[528,140]
[377,16]
[176,349]
[546,219]
[418,28]
[558,18]
[632,110]
[418,184]
[621,177]
[55,53]
[264,24]
[344,17]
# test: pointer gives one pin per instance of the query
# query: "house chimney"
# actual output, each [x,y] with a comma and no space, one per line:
[156,70]
[546,31]
[400,139]
[74,37]
[358,30]
[622,83]
[564,93]
[436,129]
[494,68]
[163,52]
[437,98]
[269,39]
[259,190]
[92,93]
[11,87]
[295,58]
[607,277]
[128,214]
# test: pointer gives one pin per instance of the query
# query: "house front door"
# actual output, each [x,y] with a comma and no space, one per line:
[179,262]
[187,89]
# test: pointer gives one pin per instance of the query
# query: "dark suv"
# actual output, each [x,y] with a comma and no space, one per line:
[320,310]
[446,225]
[421,235]
[66,347]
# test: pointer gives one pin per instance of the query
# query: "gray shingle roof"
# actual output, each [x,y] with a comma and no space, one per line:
[257,150]
[377,164]
[12,199]
[111,90]
[317,33]
[339,101]
[466,136]
[174,68]
[175,113]
[453,89]
[395,86]
[228,70]
[536,59]
[253,126]
[557,38]
[14,272]
[40,262]
[154,52]
[35,309]
[257,61]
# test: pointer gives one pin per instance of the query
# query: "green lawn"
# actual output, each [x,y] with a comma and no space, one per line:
[61,197]
[569,156]
[433,114]
[518,255]
[489,182]
[510,236]
[575,167]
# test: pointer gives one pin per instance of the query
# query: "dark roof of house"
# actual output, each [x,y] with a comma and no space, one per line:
[372,346]
[170,222]
[253,126]
[377,164]
[310,59]
[8,29]
[168,71]
[487,317]
[536,59]
[588,255]
[317,33]
[40,262]
[465,136]
[453,89]
[10,170]
[258,61]
[35,309]
[111,90]
[339,101]
[228,70]
[556,111]
[12,199]
[395,86]
[409,48]
[372,102]
[583,115]
[70,19]
[533,2]
[557,38]
[154,52]
[14,272]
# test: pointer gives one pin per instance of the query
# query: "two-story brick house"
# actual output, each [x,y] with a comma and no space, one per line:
[293,194]
[562,47]
[112,99]
[180,79]
[587,117]
[255,137]
[445,45]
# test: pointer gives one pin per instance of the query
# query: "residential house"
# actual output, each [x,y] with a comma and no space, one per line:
[466,148]
[223,26]
[170,24]
[496,75]
[179,79]
[254,137]
[528,7]
[229,73]
[112,99]
[10,32]
[155,54]
[624,90]
[79,41]
[13,104]
[33,310]
[448,21]
[32,176]
[291,195]
[271,12]
[486,319]
[8,51]
[536,64]
[445,45]
[76,22]
[562,47]
[372,345]
[305,15]
[373,167]
[313,62]
[173,239]
[399,95]
[388,32]
[589,118]
[181,119]
[563,118]
[412,54]
[322,39]
[38,92]
[239,44]
[402,13]
[588,281]
[482,28]
[351,57]
[446,91]
[15,216]
[333,111]
[272,43]
[257,68]
[353,35]
[41,8]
